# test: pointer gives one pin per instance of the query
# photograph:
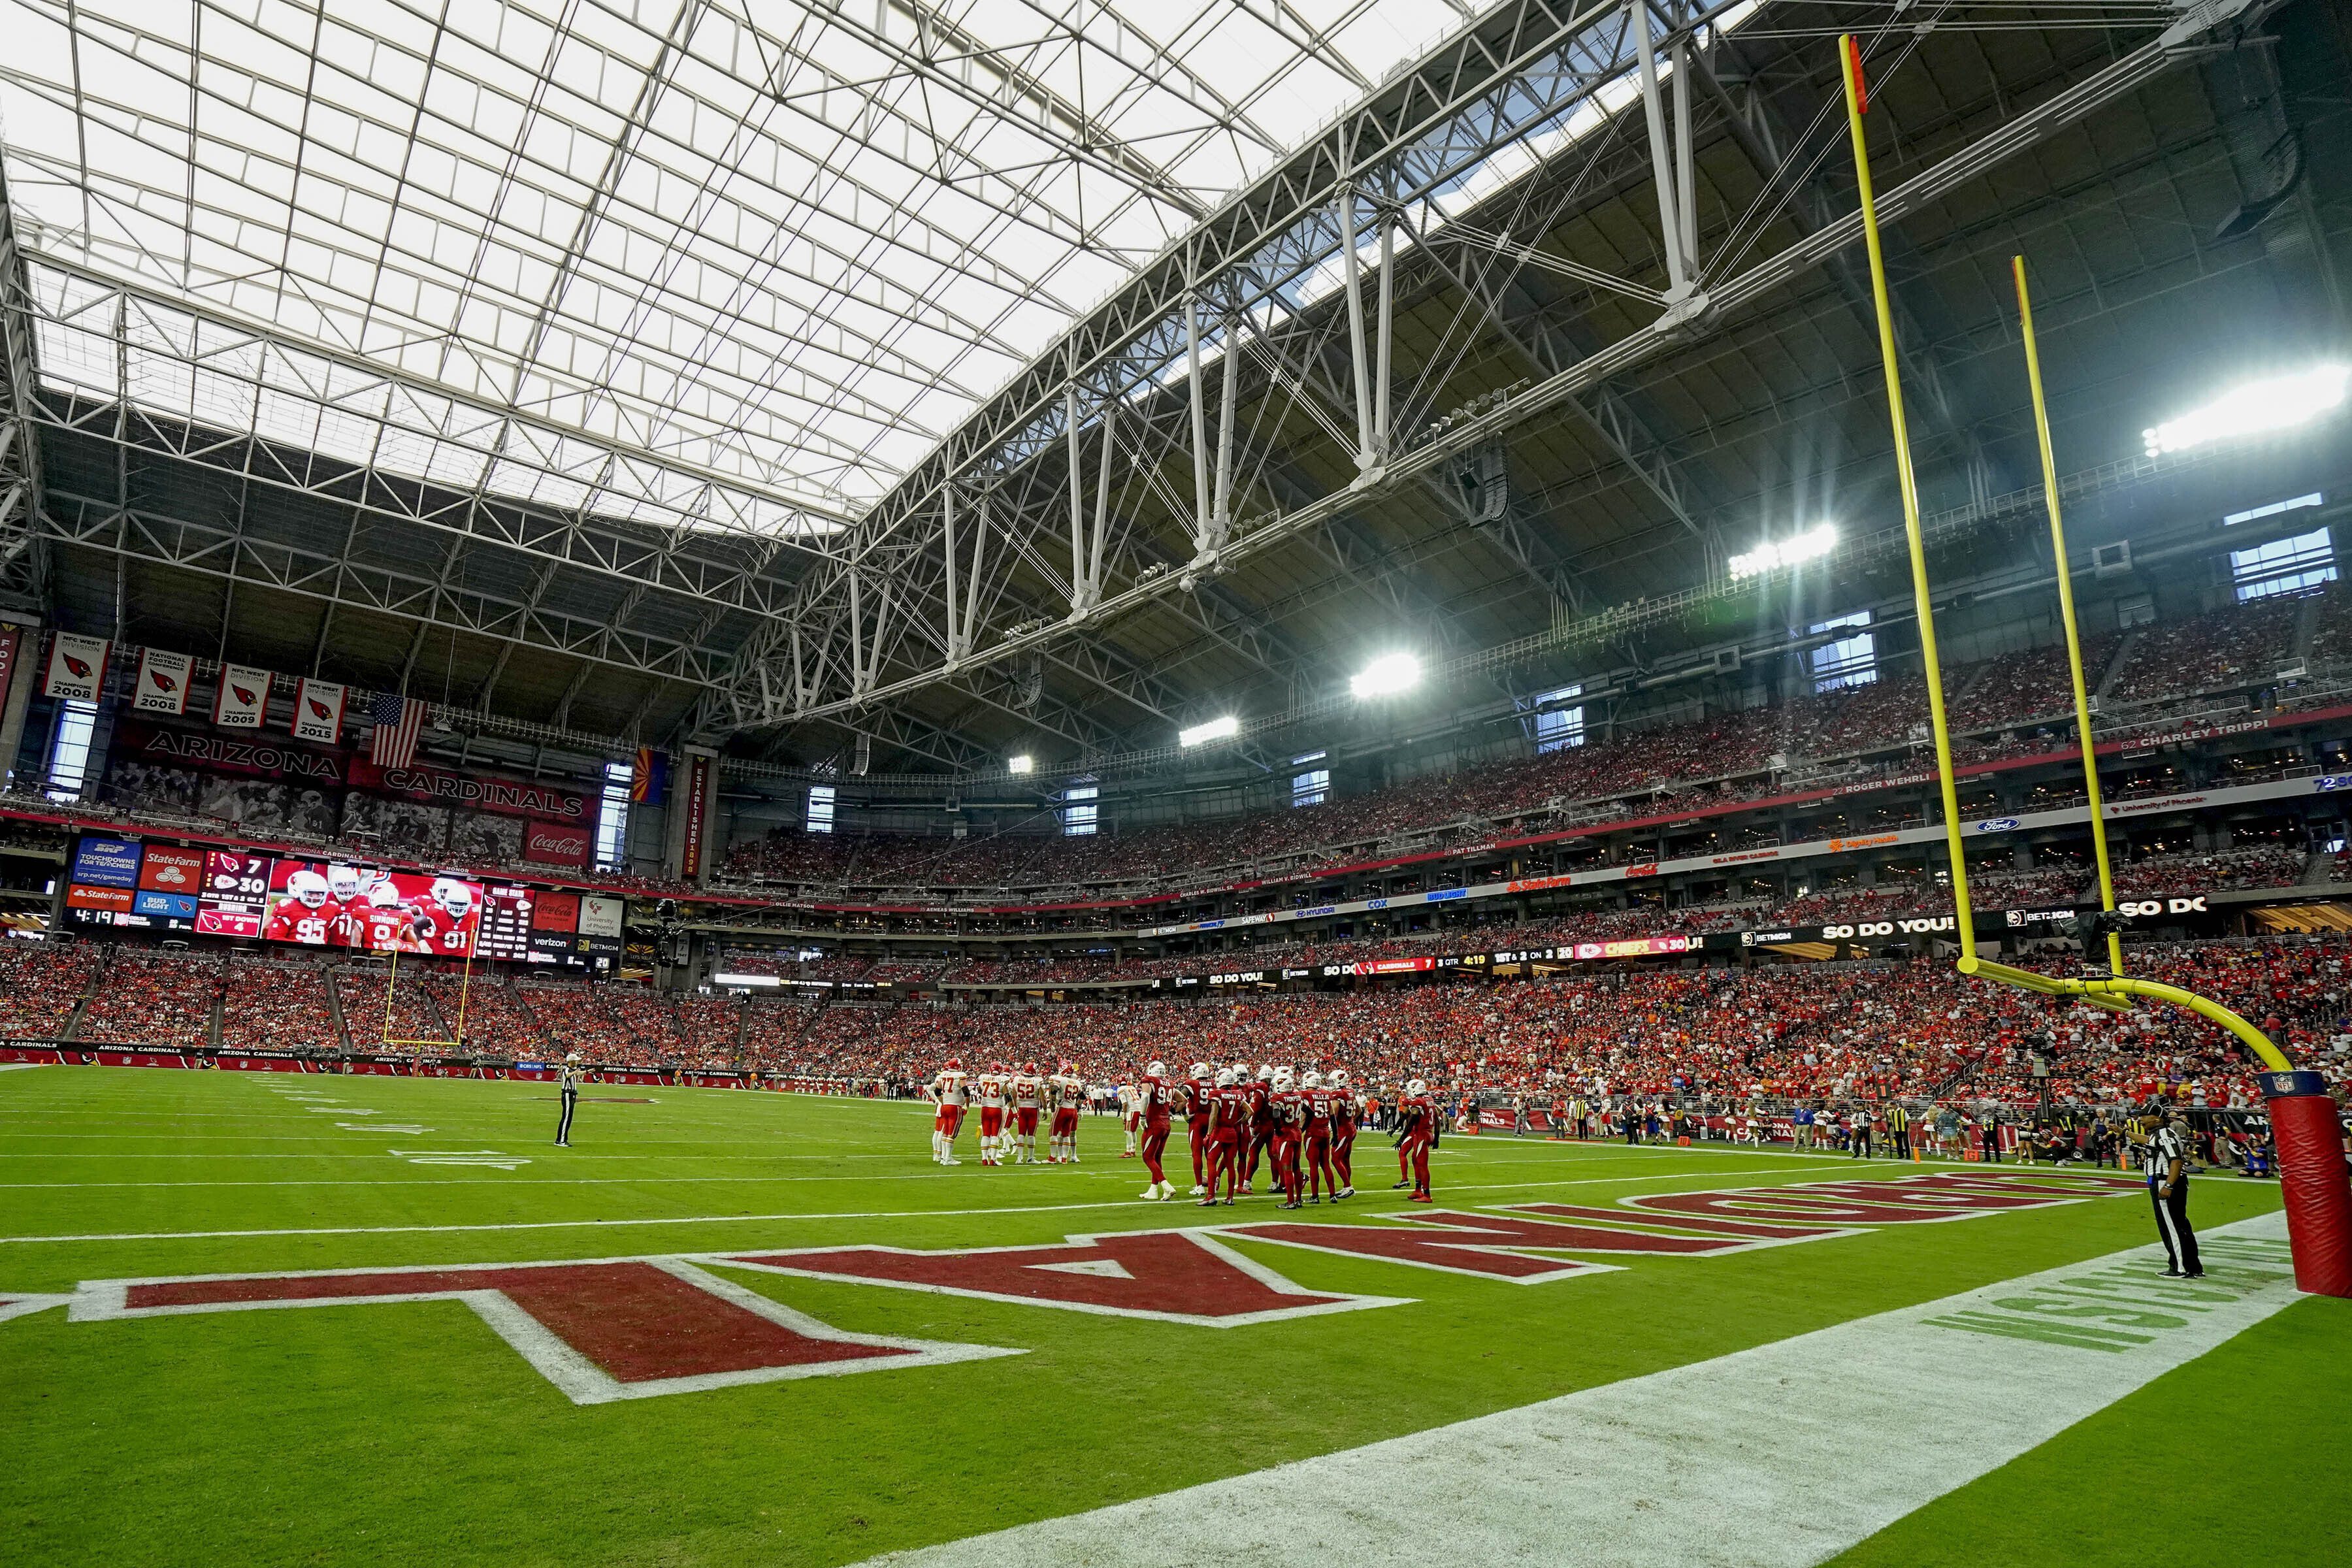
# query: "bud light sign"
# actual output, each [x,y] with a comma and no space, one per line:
[106,863]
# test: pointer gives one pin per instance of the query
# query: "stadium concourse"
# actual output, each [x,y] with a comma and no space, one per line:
[755,758]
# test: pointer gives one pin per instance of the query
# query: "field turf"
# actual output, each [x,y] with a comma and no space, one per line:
[409,1433]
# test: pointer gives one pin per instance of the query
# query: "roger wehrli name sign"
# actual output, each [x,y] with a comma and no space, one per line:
[77,667]
[163,685]
[242,699]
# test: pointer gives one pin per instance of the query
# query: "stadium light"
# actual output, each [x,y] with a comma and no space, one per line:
[1024,764]
[2281,403]
[1215,729]
[1388,675]
[1806,546]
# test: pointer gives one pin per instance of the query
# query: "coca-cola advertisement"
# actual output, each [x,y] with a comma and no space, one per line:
[557,844]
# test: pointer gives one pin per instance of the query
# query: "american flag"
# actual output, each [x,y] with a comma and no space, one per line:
[397,721]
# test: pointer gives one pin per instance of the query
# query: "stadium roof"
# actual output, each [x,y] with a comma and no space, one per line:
[682,366]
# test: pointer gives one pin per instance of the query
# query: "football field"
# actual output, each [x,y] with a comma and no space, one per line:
[251,1318]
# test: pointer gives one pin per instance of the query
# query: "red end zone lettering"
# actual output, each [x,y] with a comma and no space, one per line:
[1908,1200]
[1175,1276]
[1485,1245]
[600,1330]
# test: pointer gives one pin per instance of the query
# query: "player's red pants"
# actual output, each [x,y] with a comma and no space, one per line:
[1196,1133]
[991,1120]
[1319,1177]
[1065,1122]
[1026,1119]
[1343,1156]
[1154,1144]
[1224,1164]
[1416,1153]
[1284,1148]
[949,1119]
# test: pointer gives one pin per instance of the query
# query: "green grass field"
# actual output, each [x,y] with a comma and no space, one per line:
[409,1433]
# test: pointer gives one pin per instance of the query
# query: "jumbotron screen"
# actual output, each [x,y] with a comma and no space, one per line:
[319,903]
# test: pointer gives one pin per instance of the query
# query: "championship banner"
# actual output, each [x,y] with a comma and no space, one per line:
[162,686]
[77,667]
[243,697]
[318,711]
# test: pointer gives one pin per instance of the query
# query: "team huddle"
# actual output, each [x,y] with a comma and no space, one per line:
[347,906]
[1011,1102]
[1302,1130]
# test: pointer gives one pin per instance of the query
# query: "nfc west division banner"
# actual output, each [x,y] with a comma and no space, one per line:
[77,667]
[244,694]
[163,685]
[318,711]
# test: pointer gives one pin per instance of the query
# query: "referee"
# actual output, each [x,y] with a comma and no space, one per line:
[1898,1128]
[2167,1161]
[570,1085]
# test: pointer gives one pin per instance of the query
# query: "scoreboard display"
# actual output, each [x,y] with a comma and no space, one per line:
[234,895]
[506,923]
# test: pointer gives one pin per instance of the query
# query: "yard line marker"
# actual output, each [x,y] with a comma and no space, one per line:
[1712,1464]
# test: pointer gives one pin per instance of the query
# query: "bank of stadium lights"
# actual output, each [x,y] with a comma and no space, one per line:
[1215,729]
[2280,403]
[1024,764]
[1806,546]
[1386,675]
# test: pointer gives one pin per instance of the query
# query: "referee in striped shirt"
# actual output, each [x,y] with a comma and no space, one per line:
[569,1091]
[2166,1158]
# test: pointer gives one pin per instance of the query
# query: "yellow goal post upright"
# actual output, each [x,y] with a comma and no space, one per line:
[392,991]
[2313,1177]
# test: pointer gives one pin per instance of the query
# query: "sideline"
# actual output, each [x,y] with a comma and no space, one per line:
[1713,1464]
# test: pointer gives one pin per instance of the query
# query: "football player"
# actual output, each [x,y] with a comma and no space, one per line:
[1028,1089]
[389,919]
[1285,1109]
[1196,1092]
[947,1091]
[445,921]
[1315,1140]
[1256,1092]
[1152,1111]
[306,915]
[1228,1109]
[1127,1115]
[1067,1092]
[1344,1116]
[1416,1136]
[991,1115]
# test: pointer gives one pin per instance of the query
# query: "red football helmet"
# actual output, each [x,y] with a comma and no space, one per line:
[955,1064]
[1030,1068]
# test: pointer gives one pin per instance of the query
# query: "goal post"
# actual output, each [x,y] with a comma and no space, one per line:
[392,992]
[2315,1184]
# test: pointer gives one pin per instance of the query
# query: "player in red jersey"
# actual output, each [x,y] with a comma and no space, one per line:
[1196,1092]
[307,914]
[1343,1132]
[1315,1138]
[1228,1111]
[1258,1134]
[1065,1091]
[445,919]
[1287,1108]
[1028,1091]
[1417,1135]
[388,919]
[948,1093]
[1152,1105]
[991,1115]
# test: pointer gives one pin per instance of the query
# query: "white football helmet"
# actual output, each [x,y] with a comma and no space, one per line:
[1156,1069]
[1339,1077]
[1224,1078]
[345,882]
[1282,1078]
[1313,1080]
[309,887]
[1416,1086]
[382,894]
[1199,1069]
[453,896]
[1264,1075]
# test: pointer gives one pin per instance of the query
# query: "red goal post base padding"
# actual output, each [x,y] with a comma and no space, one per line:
[2314,1183]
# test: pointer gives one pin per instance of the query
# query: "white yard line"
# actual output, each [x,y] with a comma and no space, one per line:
[1779,1457]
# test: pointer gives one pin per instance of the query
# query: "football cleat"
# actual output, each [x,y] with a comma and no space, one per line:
[1398,1187]
[1198,1189]
[1421,1198]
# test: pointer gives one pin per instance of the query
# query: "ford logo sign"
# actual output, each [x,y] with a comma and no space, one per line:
[1997,824]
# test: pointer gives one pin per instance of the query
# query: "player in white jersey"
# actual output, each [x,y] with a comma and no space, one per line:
[1129,1113]
[947,1091]
[1028,1092]
[989,1092]
[1066,1092]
